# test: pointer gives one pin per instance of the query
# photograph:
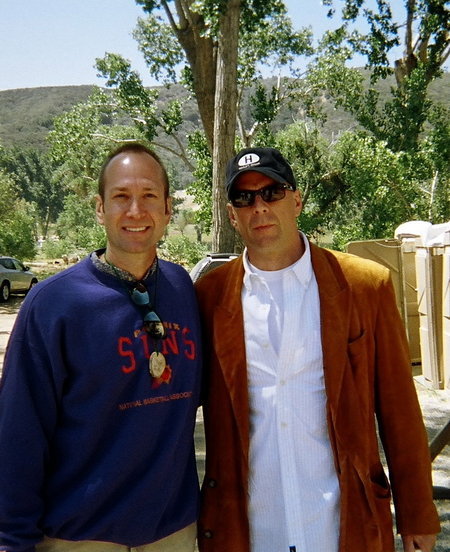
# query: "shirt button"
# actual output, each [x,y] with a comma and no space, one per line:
[208,534]
[282,382]
[283,424]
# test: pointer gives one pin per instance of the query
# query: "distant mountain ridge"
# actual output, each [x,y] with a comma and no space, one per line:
[26,114]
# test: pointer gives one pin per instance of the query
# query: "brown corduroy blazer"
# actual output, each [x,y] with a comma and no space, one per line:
[367,379]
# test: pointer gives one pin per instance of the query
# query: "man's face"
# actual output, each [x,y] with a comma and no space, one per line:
[134,210]
[265,227]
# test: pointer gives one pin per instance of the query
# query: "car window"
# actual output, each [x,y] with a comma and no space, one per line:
[18,265]
[7,263]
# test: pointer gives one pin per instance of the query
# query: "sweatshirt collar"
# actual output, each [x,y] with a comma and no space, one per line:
[116,271]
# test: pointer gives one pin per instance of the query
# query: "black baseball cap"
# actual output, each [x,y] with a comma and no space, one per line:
[268,161]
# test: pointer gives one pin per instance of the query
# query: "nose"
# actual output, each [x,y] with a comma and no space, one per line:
[134,208]
[259,204]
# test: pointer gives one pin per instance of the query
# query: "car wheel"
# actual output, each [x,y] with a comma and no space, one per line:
[4,292]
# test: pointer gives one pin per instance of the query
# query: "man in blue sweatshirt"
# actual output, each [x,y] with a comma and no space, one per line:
[101,385]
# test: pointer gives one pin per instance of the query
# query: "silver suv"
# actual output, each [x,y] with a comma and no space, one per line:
[15,277]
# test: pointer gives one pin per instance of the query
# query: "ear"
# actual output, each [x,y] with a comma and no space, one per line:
[298,202]
[232,215]
[99,210]
[169,207]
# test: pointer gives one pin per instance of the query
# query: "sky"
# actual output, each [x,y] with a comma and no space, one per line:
[56,42]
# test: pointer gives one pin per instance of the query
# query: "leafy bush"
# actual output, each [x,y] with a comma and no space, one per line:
[55,249]
[181,250]
[77,227]
[17,237]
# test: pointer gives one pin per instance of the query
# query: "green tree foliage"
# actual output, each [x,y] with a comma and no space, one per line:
[17,235]
[79,142]
[401,120]
[201,187]
[309,154]
[182,250]
[358,188]
[140,105]
[77,227]
[33,172]
[425,35]
[396,168]
[379,192]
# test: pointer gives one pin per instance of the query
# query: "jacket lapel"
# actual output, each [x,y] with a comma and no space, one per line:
[335,303]
[230,348]
[346,422]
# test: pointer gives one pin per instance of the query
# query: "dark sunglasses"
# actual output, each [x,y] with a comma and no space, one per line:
[246,198]
[152,323]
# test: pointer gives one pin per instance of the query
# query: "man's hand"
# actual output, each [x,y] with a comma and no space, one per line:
[425,543]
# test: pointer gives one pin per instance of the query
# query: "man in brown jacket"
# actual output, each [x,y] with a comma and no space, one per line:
[305,355]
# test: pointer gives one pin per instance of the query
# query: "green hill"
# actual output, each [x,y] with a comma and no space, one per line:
[26,114]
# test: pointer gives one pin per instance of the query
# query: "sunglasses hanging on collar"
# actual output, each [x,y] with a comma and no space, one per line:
[153,326]
[152,322]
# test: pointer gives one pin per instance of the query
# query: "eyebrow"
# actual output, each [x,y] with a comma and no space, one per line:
[151,186]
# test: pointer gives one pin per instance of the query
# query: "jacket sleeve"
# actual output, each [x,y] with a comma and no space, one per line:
[400,423]
[28,413]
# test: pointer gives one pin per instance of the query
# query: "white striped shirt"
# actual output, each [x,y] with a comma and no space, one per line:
[293,487]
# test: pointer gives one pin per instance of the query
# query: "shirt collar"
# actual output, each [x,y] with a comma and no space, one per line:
[116,271]
[301,269]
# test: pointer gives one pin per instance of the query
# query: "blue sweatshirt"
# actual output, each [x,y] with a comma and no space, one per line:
[92,447]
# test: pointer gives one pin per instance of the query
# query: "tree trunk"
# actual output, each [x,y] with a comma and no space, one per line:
[200,52]
[224,122]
